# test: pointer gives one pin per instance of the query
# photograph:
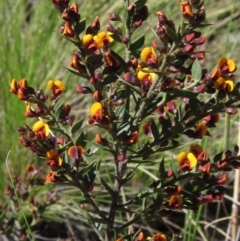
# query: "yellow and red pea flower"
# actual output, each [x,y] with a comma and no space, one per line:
[221,179]
[75,63]
[21,89]
[175,201]
[67,30]
[146,79]
[97,114]
[204,167]
[100,140]
[140,237]
[218,193]
[111,61]
[187,161]
[54,160]
[93,42]
[53,178]
[14,86]
[226,65]
[147,129]
[196,149]
[29,111]
[186,9]
[41,129]
[30,168]
[224,84]
[159,237]
[96,110]
[200,130]
[60,4]
[75,153]
[120,239]
[132,139]
[56,87]
[211,120]
[149,56]
[173,190]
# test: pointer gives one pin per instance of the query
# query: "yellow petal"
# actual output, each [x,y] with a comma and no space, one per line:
[95,108]
[59,84]
[147,52]
[47,129]
[175,199]
[196,149]
[201,128]
[222,61]
[51,84]
[231,65]
[219,83]
[182,157]
[98,41]
[39,125]
[87,39]
[192,160]
[142,75]
[229,85]
[51,154]
[60,161]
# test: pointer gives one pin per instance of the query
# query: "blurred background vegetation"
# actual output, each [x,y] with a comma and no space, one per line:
[31,48]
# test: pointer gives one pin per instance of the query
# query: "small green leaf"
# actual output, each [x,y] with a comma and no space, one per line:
[95,147]
[107,187]
[74,71]
[196,71]
[80,140]
[139,4]
[172,34]
[162,171]
[80,26]
[87,169]
[155,130]
[95,60]
[124,128]
[56,129]
[195,106]
[109,79]
[120,110]
[122,62]
[218,157]
[76,126]
[89,178]
[60,111]
[116,38]
[138,43]
[174,167]
[183,93]
[64,148]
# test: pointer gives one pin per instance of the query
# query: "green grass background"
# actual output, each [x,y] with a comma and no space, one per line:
[31,48]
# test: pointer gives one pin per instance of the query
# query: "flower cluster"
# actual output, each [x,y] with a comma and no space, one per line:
[159,89]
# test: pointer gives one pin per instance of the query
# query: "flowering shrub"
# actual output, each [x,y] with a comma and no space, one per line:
[143,103]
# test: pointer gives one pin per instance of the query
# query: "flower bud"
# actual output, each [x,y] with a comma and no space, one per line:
[114,17]
[100,140]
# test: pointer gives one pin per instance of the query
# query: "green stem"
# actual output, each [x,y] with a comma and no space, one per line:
[163,70]
[88,197]
[124,226]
